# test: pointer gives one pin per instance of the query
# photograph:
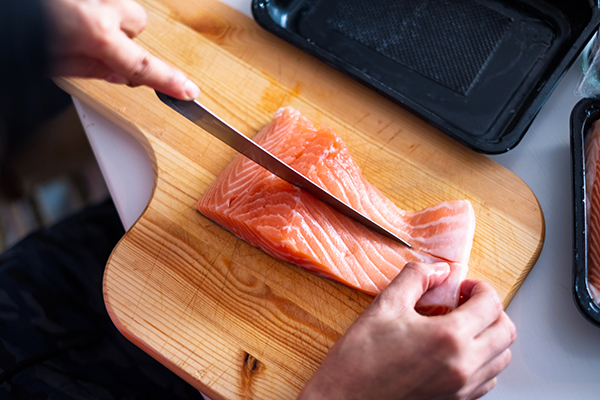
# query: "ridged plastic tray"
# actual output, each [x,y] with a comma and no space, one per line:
[477,70]
[584,114]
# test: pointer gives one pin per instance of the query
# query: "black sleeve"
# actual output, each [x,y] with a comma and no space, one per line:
[23,44]
[24,69]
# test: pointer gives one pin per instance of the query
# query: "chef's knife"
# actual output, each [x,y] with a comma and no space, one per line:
[199,115]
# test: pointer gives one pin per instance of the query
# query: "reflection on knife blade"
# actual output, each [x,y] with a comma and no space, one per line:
[212,124]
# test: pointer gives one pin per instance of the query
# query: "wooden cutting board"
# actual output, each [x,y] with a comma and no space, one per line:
[232,321]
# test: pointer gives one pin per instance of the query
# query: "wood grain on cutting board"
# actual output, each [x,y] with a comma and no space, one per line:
[226,317]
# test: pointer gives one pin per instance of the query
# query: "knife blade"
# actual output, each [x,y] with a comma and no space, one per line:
[205,119]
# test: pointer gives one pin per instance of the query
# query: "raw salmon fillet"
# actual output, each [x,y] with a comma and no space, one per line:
[592,194]
[291,225]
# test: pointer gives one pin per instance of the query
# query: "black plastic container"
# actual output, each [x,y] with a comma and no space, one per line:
[477,70]
[584,114]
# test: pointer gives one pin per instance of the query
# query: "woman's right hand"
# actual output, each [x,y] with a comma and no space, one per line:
[94,38]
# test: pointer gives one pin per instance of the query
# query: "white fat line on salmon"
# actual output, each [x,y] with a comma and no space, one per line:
[339,245]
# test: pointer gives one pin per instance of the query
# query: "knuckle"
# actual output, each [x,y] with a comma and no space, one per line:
[458,375]
[508,330]
[383,308]
[449,341]
[418,269]
[143,21]
[138,14]
[493,298]
[415,266]
[141,14]
[492,301]
[497,304]
[176,78]
[102,33]
[103,25]
[141,67]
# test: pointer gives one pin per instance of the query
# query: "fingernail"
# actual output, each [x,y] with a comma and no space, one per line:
[191,90]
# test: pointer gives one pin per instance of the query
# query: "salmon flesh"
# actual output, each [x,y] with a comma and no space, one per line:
[592,194]
[293,226]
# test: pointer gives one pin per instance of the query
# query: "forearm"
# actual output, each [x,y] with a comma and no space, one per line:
[24,44]
[24,64]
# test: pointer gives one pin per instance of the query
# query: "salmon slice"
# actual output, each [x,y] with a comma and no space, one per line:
[293,226]
[592,194]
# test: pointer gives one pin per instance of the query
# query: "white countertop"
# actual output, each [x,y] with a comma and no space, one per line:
[557,352]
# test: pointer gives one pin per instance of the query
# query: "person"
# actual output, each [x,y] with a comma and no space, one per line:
[64,345]
[393,352]
[56,338]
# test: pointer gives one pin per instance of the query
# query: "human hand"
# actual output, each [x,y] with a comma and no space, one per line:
[93,38]
[393,352]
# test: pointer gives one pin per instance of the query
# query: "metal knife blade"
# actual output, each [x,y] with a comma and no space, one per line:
[199,115]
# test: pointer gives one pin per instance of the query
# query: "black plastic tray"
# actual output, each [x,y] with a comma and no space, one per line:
[583,115]
[477,70]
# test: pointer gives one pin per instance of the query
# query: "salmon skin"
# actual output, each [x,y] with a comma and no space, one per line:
[592,197]
[293,226]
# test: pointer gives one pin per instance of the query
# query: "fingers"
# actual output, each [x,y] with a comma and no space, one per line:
[482,390]
[497,337]
[88,67]
[134,18]
[119,80]
[466,287]
[82,66]
[95,40]
[130,61]
[486,377]
[480,310]
[491,345]
[494,367]
[412,282]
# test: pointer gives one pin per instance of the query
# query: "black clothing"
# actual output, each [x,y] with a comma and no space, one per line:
[56,338]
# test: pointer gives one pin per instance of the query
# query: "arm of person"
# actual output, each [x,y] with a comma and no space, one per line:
[94,38]
[392,352]
[23,64]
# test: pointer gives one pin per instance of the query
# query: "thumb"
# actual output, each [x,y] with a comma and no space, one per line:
[412,282]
